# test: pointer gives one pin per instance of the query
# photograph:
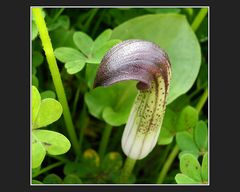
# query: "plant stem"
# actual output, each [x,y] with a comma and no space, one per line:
[127,170]
[199,18]
[104,141]
[75,101]
[168,164]
[90,18]
[47,168]
[57,81]
[202,100]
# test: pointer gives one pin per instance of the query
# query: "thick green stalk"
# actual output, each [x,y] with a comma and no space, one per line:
[199,18]
[168,164]
[127,170]
[104,140]
[48,168]
[57,81]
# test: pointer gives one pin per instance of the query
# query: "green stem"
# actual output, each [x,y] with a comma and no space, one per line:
[57,81]
[168,164]
[202,100]
[199,18]
[104,141]
[47,169]
[57,14]
[75,101]
[127,170]
[90,18]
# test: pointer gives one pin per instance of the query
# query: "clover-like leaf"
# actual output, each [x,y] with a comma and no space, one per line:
[49,111]
[101,39]
[48,94]
[173,33]
[38,152]
[67,54]
[190,166]
[187,119]
[37,58]
[36,102]
[74,66]
[184,179]
[83,42]
[53,142]
[186,143]
[105,103]
[201,136]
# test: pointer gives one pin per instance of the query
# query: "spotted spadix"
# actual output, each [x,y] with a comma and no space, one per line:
[147,63]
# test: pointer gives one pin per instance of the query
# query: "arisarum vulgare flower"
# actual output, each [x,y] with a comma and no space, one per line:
[147,63]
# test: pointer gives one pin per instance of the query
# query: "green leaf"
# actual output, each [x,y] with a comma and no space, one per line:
[72,179]
[34,81]
[48,94]
[49,111]
[201,135]
[83,42]
[184,179]
[112,162]
[99,53]
[163,10]
[190,166]
[204,170]
[36,102]
[187,119]
[52,179]
[186,143]
[36,182]
[37,58]
[67,54]
[174,34]
[73,168]
[34,30]
[38,152]
[62,38]
[53,142]
[167,129]
[101,39]
[74,66]
[106,103]
[91,158]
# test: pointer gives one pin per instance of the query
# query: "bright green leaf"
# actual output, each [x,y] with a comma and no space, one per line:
[101,39]
[36,103]
[74,66]
[50,111]
[204,171]
[34,81]
[186,143]
[38,152]
[184,179]
[174,34]
[187,119]
[190,166]
[52,179]
[83,42]
[53,142]
[201,135]
[67,54]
